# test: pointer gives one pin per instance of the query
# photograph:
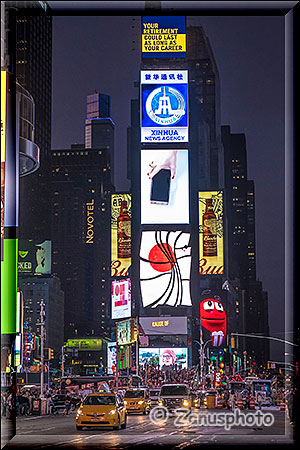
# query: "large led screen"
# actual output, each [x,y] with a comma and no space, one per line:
[163,37]
[164,357]
[111,357]
[34,257]
[121,299]
[211,233]
[164,186]
[164,106]
[165,266]
[120,234]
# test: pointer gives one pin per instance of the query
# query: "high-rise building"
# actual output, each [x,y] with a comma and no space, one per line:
[38,288]
[209,170]
[99,127]
[241,245]
[34,73]
[80,190]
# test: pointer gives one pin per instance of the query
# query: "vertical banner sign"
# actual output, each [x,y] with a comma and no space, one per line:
[211,233]
[3,137]
[164,106]
[120,234]
[163,37]
[9,133]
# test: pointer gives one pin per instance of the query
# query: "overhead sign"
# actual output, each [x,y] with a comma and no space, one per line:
[121,299]
[164,325]
[85,344]
[164,106]
[163,37]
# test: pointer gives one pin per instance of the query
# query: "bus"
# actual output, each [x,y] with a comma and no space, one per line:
[87,384]
[83,384]
[264,387]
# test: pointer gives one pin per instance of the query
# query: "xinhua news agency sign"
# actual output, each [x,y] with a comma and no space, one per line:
[164,106]
[163,37]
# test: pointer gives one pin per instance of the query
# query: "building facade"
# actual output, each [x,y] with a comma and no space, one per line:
[81,189]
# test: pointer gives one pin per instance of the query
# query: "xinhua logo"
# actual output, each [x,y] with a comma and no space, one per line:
[165,105]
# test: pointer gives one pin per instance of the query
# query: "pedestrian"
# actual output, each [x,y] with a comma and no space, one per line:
[232,398]
[259,399]
[289,404]
[67,404]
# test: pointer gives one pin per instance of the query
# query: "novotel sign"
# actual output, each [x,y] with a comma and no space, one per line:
[164,325]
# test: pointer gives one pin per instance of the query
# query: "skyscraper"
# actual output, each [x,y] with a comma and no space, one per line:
[99,127]
[80,189]
[240,213]
[34,73]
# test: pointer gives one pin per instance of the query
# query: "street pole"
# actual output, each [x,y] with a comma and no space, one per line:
[62,362]
[137,356]
[42,314]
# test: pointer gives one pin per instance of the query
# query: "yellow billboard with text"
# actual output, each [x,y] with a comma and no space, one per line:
[211,233]
[120,234]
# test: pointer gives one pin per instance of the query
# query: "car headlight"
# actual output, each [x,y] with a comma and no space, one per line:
[79,413]
[113,411]
[160,402]
[141,402]
[125,403]
[185,403]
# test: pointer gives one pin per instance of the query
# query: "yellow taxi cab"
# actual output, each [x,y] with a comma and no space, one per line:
[101,409]
[137,400]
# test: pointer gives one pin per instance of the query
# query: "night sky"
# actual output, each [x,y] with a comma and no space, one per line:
[98,53]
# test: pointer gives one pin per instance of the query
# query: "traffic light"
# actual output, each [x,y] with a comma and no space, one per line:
[232,342]
[50,353]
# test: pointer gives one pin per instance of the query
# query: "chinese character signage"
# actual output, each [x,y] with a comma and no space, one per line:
[211,233]
[120,234]
[164,106]
[163,37]
[165,266]
[121,299]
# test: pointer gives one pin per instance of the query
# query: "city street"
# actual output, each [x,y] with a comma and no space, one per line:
[59,431]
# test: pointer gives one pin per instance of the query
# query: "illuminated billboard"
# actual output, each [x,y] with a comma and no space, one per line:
[121,299]
[120,234]
[164,357]
[163,325]
[85,344]
[165,267]
[34,257]
[211,233]
[163,37]
[126,332]
[111,357]
[164,186]
[164,106]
